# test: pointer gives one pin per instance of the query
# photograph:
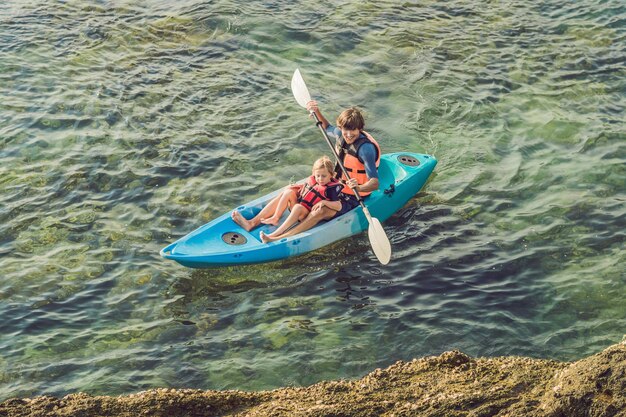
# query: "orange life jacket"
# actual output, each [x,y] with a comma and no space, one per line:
[313,193]
[352,162]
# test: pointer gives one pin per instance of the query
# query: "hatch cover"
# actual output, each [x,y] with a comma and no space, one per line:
[233,238]
[409,160]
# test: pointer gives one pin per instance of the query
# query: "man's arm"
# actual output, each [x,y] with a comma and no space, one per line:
[371,185]
[312,106]
[367,152]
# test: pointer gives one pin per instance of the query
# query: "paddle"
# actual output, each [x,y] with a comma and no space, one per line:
[377,236]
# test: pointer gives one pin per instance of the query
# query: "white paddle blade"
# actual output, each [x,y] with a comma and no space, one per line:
[379,241]
[298,87]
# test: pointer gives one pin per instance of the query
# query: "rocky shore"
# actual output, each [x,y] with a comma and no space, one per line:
[451,384]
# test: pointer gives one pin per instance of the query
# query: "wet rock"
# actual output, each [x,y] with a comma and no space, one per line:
[595,386]
[451,384]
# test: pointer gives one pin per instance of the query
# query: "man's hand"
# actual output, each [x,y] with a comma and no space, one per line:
[352,183]
[312,106]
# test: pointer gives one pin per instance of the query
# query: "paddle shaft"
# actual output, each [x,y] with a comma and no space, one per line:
[375,232]
[319,124]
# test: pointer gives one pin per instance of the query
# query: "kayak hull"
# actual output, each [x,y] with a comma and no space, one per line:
[222,242]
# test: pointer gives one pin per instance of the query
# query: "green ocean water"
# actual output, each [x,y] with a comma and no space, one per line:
[125,125]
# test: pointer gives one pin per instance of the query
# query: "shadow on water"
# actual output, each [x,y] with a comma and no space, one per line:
[216,283]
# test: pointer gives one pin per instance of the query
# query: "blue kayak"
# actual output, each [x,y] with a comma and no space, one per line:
[222,242]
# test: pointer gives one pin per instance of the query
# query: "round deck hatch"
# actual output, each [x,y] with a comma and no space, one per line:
[233,238]
[408,160]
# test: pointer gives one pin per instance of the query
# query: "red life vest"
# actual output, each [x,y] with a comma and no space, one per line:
[313,193]
[352,163]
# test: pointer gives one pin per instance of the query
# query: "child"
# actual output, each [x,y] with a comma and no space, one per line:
[292,197]
[320,188]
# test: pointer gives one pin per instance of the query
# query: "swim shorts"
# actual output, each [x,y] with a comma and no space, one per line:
[348,202]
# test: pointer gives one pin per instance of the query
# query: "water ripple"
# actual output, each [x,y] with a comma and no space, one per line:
[125,126]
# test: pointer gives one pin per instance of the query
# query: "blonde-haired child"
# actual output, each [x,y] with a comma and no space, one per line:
[321,189]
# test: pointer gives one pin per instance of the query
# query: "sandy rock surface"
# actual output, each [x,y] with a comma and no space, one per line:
[452,384]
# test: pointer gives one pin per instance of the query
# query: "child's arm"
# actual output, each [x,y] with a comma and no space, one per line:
[333,194]
[333,205]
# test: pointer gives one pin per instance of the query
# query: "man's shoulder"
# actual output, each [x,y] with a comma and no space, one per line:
[367,150]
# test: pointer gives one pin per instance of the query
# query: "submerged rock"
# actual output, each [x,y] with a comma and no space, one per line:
[451,384]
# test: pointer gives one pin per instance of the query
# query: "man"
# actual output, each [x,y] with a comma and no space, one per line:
[360,155]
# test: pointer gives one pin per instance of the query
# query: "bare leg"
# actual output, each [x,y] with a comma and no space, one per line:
[249,224]
[288,198]
[298,213]
[241,221]
[311,220]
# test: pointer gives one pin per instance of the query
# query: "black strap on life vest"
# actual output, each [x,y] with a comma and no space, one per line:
[352,149]
[340,143]
[310,189]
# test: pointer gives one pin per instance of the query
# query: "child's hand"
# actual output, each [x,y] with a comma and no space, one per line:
[320,205]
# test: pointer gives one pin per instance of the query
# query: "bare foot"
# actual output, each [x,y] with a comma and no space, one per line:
[266,238]
[271,220]
[241,221]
